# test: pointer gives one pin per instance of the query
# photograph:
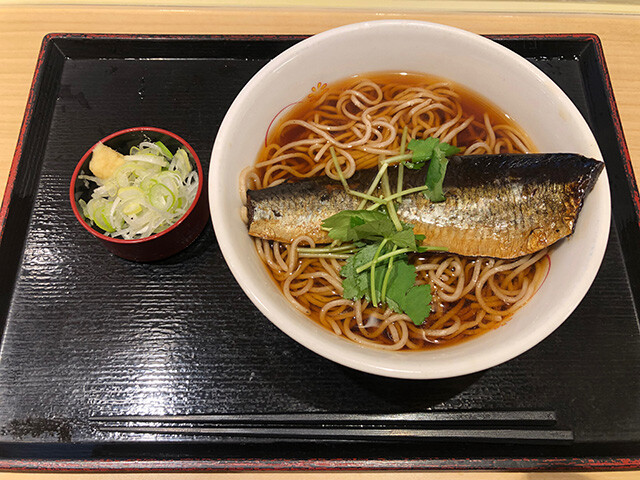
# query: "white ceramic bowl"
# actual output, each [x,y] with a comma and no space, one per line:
[510,82]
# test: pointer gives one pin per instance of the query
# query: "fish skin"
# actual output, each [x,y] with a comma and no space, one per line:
[501,206]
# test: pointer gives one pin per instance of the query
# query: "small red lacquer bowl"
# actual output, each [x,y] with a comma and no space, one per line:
[160,245]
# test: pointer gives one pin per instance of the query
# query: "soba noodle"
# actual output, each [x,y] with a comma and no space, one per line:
[363,118]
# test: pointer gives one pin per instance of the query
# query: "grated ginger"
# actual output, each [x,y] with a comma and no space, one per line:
[104,161]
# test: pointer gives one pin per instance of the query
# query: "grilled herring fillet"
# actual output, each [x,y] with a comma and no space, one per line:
[501,206]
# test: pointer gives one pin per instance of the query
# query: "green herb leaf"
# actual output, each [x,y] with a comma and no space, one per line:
[401,279]
[417,303]
[406,239]
[435,176]
[362,257]
[402,295]
[435,152]
[405,297]
[422,151]
[344,225]
[356,285]
[375,230]
[370,226]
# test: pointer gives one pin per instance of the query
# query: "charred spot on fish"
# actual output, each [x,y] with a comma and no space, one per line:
[250,209]
[332,187]
[325,197]
[276,213]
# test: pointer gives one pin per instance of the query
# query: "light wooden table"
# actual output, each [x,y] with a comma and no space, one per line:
[23,28]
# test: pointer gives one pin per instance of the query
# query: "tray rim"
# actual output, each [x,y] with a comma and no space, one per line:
[322,464]
[586,462]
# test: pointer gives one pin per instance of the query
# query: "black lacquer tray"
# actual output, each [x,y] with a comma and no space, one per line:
[87,334]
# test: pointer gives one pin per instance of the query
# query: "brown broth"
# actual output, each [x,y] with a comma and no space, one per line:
[472,103]
[466,309]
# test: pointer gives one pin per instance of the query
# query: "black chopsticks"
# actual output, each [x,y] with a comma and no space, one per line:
[479,426]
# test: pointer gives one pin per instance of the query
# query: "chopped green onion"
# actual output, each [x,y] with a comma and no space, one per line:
[182,163]
[131,207]
[149,158]
[131,193]
[100,215]
[164,150]
[145,195]
[161,197]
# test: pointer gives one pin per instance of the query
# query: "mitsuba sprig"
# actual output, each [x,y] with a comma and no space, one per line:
[374,241]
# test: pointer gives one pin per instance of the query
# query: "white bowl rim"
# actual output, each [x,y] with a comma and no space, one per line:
[346,352]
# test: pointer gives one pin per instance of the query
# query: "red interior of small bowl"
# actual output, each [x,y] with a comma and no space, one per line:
[160,245]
